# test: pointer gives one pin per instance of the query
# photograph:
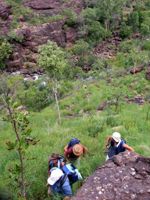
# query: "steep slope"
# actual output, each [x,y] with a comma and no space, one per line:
[126,177]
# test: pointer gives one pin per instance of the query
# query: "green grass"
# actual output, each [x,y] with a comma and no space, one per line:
[81,119]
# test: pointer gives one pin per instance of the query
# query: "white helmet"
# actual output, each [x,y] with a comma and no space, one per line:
[116,136]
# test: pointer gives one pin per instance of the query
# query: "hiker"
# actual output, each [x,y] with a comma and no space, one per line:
[61,176]
[115,145]
[74,149]
[58,183]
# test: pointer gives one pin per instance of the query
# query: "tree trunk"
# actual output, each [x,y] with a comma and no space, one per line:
[22,184]
[56,99]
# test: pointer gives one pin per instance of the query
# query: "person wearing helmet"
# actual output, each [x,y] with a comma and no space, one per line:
[115,145]
[74,149]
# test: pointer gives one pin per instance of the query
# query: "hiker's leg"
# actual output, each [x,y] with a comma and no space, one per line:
[107,158]
[49,192]
[66,188]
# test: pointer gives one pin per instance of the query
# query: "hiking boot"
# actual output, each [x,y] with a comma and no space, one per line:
[67,198]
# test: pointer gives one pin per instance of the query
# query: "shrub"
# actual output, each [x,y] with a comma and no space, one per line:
[81,47]
[89,15]
[126,46]
[96,32]
[134,21]
[53,59]
[5,51]
[36,98]
[95,126]
[145,29]
[125,31]
[71,17]
[13,36]
[146,45]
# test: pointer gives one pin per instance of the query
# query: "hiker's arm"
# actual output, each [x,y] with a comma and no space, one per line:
[128,147]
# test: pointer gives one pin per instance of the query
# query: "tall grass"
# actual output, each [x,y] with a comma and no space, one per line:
[80,119]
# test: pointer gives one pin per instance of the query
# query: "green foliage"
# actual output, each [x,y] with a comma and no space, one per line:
[36,98]
[109,12]
[126,46]
[5,51]
[53,59]
[145,29]
[134,21]
[95,126]
[132,53]
[80,48]
[96,32]
[125,31]
[13,36]
[71,17]
[146,45]
[89,15]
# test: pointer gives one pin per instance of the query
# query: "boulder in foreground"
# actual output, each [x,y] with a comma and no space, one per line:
[125,177]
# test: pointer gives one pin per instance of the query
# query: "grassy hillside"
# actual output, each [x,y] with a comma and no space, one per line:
[80,118]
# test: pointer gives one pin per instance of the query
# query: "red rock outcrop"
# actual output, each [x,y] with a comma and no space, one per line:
[25,49]
[5,17]
[25,52]
[125,177]
[52,7]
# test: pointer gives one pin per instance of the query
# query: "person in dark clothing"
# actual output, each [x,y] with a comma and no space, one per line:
[74,149]
[115,145]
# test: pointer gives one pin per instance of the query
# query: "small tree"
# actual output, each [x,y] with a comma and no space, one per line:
[18,118]
[52,59]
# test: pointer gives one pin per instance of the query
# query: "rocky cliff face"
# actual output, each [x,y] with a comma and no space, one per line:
[5,19]
[125,177]
[24,54]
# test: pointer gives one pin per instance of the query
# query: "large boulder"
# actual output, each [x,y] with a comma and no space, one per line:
[42,5]
[125,177]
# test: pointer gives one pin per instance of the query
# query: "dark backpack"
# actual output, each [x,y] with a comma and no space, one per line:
[55,160]
[69,170]
[72,142]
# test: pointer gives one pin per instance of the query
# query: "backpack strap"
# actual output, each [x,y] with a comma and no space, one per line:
[63,179]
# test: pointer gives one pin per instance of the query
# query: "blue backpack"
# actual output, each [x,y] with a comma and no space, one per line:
[72,142]
[69,170]
[72,172]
